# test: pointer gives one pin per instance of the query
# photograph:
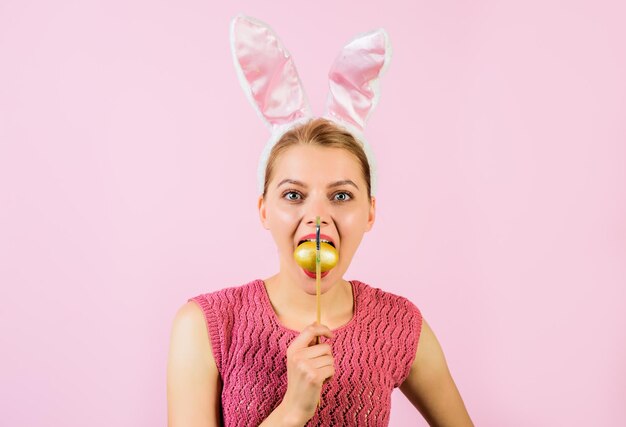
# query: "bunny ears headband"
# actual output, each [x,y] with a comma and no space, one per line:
[269,78]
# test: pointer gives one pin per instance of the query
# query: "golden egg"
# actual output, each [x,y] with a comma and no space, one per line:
[305,256]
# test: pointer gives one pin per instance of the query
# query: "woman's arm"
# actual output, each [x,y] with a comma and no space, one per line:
[430,387]
[193,381]
[194,386]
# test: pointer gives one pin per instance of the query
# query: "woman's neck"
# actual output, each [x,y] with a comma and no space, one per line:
[296,308]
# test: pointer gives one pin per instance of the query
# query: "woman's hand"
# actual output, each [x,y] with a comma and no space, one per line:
[309,365]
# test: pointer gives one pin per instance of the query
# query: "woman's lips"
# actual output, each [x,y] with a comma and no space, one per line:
[312,275]
[322,236]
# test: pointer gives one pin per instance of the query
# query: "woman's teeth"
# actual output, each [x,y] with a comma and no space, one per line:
[313,240]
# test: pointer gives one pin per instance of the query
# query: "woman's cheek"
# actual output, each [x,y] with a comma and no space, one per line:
[280,210]
[287,214]
[351,220]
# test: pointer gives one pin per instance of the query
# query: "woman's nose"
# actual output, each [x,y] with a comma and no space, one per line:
[318,206]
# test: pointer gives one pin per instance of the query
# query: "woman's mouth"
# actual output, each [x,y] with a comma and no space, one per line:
[312,275]
[323,238]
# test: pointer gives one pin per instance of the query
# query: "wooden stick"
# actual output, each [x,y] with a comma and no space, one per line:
[318,275]
[318,271]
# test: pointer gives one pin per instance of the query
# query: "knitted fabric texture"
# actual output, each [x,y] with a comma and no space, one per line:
[373,354]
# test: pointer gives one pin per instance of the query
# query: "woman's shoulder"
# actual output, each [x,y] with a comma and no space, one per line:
[189,334]
[372,295]
[229,293]
[214,312]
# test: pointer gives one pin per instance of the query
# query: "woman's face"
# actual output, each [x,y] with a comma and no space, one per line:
[310,181]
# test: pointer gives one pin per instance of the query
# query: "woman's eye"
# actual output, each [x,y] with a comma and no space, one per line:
[287,194]
[346,196]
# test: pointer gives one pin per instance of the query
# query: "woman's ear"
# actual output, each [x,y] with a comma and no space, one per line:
[262,212]
[372,214]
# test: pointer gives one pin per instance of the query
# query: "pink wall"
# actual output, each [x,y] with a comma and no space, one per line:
[127,185]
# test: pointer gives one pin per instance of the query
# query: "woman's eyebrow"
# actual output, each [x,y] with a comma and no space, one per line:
[331,185]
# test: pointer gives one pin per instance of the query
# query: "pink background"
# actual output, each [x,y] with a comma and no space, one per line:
[128,155]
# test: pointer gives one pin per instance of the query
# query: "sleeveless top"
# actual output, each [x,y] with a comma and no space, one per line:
[373,354]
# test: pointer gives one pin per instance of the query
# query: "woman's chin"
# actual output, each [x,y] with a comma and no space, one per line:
[309,282]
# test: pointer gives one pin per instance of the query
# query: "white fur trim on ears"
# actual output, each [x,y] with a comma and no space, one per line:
[375,83]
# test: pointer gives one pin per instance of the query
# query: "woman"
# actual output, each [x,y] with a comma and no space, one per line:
[247,355]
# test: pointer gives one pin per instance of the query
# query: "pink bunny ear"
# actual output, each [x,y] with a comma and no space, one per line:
[267,73]
[353,78]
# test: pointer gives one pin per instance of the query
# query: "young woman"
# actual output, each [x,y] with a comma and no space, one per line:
[254,345]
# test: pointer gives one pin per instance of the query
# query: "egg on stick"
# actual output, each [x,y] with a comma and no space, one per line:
[317,257]
[320,257]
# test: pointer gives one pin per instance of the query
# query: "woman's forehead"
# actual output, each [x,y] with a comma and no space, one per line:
[308,166]
[309,159]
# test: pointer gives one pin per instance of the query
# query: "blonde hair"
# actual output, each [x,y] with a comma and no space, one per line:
[323,133]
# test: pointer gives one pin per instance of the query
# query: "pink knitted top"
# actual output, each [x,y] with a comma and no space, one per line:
[373,354]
